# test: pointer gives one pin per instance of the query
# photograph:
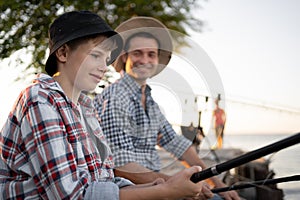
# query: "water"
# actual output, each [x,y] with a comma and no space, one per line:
[284,163]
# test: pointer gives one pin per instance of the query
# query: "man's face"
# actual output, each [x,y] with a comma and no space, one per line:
[141,59]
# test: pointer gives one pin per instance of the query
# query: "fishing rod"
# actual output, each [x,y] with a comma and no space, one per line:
[256,183]
[247,157]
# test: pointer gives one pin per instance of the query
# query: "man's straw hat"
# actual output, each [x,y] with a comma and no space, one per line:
[155,28]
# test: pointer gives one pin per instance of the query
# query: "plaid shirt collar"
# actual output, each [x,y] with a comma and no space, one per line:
[48,82]
[133,87]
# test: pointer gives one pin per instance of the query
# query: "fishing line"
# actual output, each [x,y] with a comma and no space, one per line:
[257,183]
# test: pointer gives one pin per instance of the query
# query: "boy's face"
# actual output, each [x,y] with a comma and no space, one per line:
[142,58]
[87,64]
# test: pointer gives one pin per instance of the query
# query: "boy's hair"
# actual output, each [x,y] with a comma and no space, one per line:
[109,44]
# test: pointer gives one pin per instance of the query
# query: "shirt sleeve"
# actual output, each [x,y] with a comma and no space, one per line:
[109,190]
[54,152]
[111,111]
[54,165]
[170,141]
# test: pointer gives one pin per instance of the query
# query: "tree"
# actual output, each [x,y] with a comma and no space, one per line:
[24,24]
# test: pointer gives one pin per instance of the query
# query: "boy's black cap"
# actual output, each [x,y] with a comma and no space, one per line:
[77,24]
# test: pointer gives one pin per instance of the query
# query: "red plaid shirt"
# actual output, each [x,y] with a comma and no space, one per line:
[46,152]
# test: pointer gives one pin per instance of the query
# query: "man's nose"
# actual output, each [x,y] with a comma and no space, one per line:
[144,59]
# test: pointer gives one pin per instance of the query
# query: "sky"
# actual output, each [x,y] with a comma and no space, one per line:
[259,42]
[254,46]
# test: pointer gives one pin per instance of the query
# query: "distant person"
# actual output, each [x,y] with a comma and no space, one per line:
[52,147]
[130,118]
[219,117]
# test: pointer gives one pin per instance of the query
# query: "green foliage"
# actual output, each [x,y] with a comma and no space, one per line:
[24,23]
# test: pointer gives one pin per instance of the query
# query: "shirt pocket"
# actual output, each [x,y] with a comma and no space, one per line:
[139,143]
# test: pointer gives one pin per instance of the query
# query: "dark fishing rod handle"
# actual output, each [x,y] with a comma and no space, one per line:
[200,176]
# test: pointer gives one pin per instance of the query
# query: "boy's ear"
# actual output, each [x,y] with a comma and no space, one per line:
[61,53]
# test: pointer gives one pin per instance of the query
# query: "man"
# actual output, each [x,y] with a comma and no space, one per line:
[130,118]
[219,117]
[51,146]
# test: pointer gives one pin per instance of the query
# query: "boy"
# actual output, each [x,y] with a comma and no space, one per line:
[51,145]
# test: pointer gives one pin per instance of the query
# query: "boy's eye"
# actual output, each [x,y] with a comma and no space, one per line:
[95,55]
[103,56]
